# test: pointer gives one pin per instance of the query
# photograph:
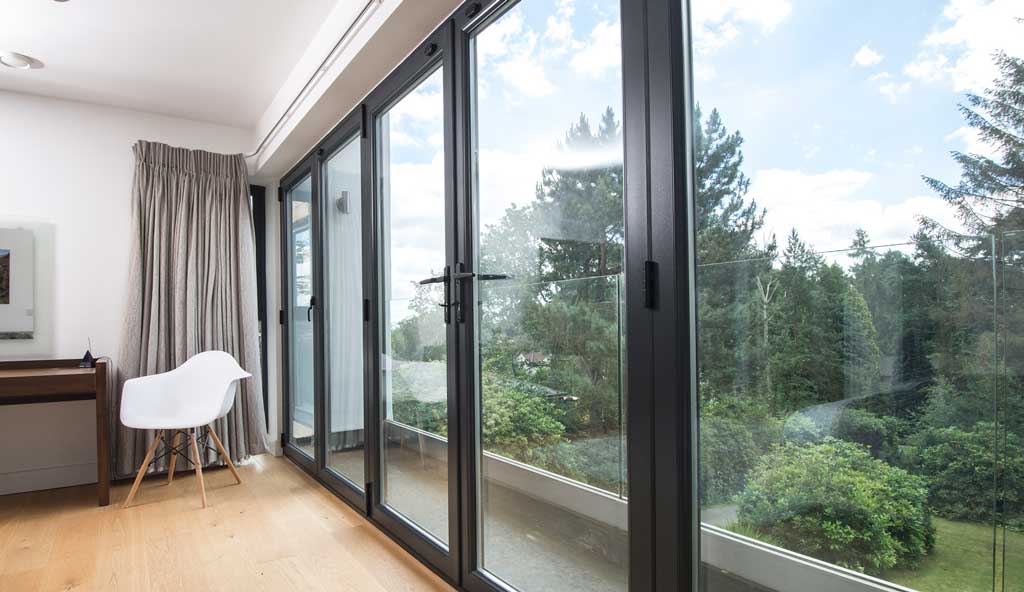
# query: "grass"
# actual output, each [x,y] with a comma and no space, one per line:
[962,560]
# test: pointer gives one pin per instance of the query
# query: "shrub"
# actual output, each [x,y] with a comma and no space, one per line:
[966,478]
[727,454]
[878,434]
[517,423]
[801,429]
[833,501]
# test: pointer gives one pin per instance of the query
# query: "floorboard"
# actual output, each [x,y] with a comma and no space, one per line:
[277,531]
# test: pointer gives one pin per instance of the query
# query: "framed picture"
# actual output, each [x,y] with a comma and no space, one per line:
[17,283]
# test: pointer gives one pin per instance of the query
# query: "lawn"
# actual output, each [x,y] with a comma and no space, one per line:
[962,561]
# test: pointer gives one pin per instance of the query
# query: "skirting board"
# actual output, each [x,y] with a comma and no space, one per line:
[36,479]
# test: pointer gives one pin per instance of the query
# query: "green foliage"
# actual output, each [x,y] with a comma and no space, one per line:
[727,454]
[833,501]
[517,423]
[430,417]
[801,429]
[880,435]
[972,472]
[990,195]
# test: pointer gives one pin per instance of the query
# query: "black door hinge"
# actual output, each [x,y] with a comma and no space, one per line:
[280,194]
[366,309]
[650,284]
[280,317]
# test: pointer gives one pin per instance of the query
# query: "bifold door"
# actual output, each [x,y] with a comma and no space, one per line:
[468,298]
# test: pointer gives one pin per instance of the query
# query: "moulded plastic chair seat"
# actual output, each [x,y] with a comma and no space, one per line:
[183,400]
[193,394]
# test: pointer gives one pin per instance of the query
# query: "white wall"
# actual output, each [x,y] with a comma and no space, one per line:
[67,167]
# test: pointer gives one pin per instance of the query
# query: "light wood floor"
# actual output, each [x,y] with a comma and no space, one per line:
[278,530]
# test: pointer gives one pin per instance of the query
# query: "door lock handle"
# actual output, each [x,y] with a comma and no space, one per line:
[309,309]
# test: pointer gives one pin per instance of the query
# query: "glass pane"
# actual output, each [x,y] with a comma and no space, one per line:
[344,270]
[857,314]
[550,247]
[415,368]
[301,329]
[1010,502]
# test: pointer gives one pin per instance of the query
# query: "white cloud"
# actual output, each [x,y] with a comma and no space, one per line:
[558,36]
[510,48]
[880,76]
[601,53]
[972,142]
[510,177]
[424,104]
[962,51]
[827,208]
[417,246]
[866,56]
[893,91]
[927,67]
[716,24]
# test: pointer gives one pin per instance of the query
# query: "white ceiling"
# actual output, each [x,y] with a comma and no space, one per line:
[211,60]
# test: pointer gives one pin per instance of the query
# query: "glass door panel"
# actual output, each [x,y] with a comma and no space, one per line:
[550,338]
[856,400]
[414,367]
[301,411]
[343,269]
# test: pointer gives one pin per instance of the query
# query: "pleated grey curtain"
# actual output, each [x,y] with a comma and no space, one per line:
[191,287]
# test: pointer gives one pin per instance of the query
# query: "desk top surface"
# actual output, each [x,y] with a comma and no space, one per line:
[40,372]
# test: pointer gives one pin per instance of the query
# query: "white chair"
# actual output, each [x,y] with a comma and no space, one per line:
[183,401]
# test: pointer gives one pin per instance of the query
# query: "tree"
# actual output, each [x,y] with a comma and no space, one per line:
[989,198]
[731,306]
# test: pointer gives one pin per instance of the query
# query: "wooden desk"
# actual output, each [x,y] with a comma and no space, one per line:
[48,381]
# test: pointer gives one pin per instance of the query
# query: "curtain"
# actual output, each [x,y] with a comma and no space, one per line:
[191,287]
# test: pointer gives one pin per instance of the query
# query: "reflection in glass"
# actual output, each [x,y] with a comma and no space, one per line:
[857,300]
[550,333]
[301,326]
[343,268]
[415,370]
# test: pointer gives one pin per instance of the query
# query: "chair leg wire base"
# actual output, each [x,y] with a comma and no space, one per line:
[177,449]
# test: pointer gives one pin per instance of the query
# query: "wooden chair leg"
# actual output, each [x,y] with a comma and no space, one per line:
[142,470]
[224,454]
[198,462]
[174,456]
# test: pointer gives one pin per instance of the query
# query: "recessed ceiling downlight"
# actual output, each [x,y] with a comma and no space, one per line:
[19,61]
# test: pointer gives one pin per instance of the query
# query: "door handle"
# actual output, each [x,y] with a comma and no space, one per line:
[309,309]
[447,304]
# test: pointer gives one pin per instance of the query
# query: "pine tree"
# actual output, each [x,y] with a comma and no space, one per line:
[989,198]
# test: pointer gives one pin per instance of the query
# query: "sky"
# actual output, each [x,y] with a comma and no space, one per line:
[843,107]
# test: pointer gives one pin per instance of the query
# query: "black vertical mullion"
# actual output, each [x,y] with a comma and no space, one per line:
[371,296]
[456,363]
[676,526]
[642,445]
[467,298]
[319,334]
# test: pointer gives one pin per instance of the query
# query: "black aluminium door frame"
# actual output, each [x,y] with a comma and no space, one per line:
[351,127]
[661,316]
[288,183]
[433,53]
[658,86]
[657,551]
